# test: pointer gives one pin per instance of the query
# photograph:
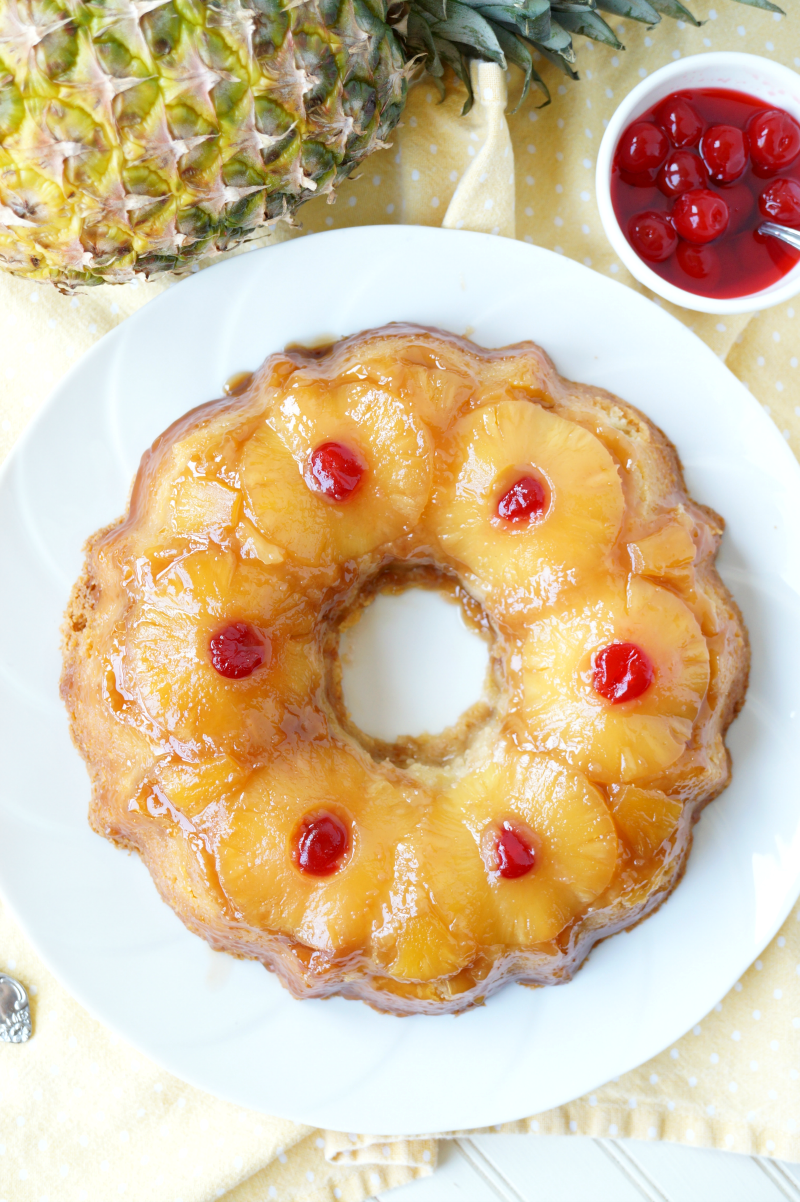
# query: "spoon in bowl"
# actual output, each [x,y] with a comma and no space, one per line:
[789,236]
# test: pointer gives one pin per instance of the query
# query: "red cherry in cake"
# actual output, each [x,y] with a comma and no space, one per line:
[652,236]
[514,854]
[237,650]
[700,215]
[622,672]
[525,499]
[780,201]
[724,152]
[774,140]
[681,121]
[642,147]
[334,470]
[322,842]
[683,170]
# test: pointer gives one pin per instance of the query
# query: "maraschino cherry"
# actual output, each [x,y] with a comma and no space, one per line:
[700,215]
[652,236]
[525,499]
[774,139]
[683,170]
[334,470]
[643,147]
[724,152]
[780,201]
[237,650]
[321,844]
[515,856]
[680,120]
[622,672]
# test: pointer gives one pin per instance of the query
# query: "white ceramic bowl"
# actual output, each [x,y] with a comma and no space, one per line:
[776,85]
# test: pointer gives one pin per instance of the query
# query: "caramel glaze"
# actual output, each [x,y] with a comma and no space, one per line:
[172,767]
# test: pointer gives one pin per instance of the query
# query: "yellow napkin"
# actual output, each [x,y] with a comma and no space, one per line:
[81,1114]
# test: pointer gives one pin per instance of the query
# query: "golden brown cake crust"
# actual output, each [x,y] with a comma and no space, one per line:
[188,769]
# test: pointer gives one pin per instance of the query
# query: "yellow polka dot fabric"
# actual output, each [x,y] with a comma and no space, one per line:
[84,1117]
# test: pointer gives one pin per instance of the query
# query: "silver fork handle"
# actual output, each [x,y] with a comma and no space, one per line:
[790,237]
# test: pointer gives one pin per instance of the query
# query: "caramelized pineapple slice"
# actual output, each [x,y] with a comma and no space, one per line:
[614,741]
[383,436]
[258,861]
[667,553]
[192,787]
[525,563]
[646,817]
[165,661]
[556,813]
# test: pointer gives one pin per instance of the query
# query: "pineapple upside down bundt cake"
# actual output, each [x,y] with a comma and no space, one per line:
[204,684]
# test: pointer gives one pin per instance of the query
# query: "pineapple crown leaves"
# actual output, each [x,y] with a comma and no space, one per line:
[441,33]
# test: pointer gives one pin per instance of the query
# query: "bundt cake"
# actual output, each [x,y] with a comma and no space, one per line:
[204,684]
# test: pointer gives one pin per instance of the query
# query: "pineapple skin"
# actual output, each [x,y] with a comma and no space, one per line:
[207,780]
[139,135]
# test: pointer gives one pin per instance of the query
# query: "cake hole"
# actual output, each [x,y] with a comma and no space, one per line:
[412,665]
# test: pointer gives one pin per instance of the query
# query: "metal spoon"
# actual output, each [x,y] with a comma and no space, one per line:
[15,1014]
[791,237]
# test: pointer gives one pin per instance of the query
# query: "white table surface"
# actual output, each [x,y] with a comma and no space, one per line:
[532,1168]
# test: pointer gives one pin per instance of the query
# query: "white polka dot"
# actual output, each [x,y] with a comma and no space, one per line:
[613,1129]
[769,46]
[642,73]
[770,1145]
[740,29]
[676,53]
[585,196]
[648,42]
[729,1140]
[488,203]
[692,1082]
[426,1155]
[651,1133]
[711,1111]
[615,61]
[390,209]
[690,1134]
[559,221]
[585,229]
[754,1065]
[573,1126]
[588,133]
[320,1143]
[631,1103]
[329,221]
[774,1045]
[674,1053]
[736,1036]
[453,176]
[587,262]
[718,1007]
[654,1079]
[714,1058]
[530,181]
[433,148]
[756,1015]
[733,1087]
[779,385]
[759,965]
[374,1179]
[434,202]
[273,1193]
[559,188]
[670,1106]
[781,941]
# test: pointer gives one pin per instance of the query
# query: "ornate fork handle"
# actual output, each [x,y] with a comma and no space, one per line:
[15,1013]
[790,237]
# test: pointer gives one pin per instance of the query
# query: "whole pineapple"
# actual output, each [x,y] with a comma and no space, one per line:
[137,135]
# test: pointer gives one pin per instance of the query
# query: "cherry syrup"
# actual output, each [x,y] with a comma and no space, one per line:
[514,854]
[237,650]
[321,845]
[622,672]
[692,180]
[334,470]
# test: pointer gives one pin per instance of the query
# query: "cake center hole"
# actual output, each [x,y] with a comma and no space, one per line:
[411,665]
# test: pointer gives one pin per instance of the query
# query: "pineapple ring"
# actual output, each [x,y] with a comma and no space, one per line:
[575,851]
[565,716]
[383,430]
[525,566]
[165,673]
[255,862]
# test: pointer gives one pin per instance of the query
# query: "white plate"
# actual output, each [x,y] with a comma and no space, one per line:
[228,1026]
